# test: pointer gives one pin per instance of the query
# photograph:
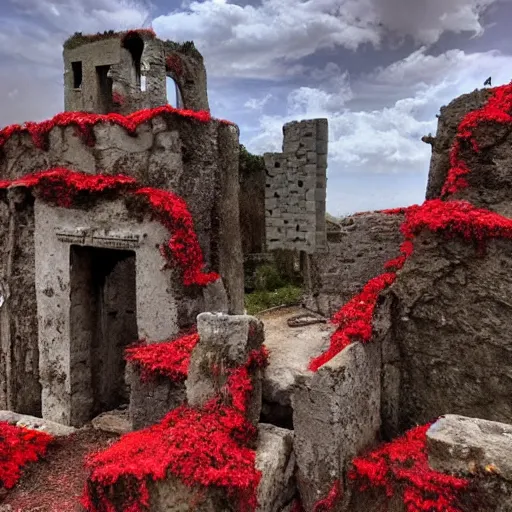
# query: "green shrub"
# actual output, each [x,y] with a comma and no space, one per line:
[268,278]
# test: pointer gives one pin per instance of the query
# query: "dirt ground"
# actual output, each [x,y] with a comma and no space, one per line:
[56,483]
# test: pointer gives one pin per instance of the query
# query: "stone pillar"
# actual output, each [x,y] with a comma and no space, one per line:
[225,344]
[336,415]
[295,190]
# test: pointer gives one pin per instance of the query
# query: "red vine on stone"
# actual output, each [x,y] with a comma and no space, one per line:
[62,186]
[497,110]
[84,123]
[18,447]
[354,319]
[403,464]
[207,447]
[169,359]
[174,63]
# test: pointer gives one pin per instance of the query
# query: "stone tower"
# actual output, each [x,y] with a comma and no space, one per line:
[123,72]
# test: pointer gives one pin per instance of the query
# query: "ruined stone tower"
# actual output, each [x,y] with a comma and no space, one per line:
[124,72]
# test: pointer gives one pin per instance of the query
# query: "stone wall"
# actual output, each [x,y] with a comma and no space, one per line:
[447,341]
[126,72]
[20,389]
[296,188]
[108,69]
[449,120]
[355,254]
[198,161]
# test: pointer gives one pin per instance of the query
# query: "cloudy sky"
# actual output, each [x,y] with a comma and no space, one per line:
[379,70]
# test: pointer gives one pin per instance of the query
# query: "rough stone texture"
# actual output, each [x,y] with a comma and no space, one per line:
[115,422]
[133,68]
[67,363]
[447,342]
[276,461]
[449,120]
[274,458]
[461,445]
[296,188]
[355,254]
[225,342]
[252,207]
[186,67]
[227,217]
[336,415]
[169,152]
[20,389]
[291,350]
[33,423]
[151,401]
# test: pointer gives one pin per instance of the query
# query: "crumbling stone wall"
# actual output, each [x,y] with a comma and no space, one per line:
[296,188]
[355,254]
[125,72]
[120,73]
[185,65]
[449,120]
[198,161]
[252,202]
[20,389]
[447,344]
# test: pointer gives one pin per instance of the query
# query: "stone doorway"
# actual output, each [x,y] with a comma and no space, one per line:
[103,321]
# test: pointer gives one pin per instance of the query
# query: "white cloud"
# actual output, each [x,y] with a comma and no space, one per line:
[37,30]
[258,103]
[387,139]
[259,41]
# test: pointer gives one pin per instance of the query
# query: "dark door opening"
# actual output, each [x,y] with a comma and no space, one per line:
[105,102]
[103,322]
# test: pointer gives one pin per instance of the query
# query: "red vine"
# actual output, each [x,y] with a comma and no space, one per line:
[174,63]
[202,447]
[403,464]
[168,359]
[84,122]
[354,319]
[62,186]
[18,447]
[497,110]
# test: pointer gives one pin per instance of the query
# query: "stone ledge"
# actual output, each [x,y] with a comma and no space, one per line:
[462,445]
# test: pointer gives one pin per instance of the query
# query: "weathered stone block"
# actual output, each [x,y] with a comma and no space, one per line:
[462,445]
[225,343]
[336,414]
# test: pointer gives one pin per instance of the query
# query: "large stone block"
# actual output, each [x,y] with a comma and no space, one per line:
[225,343]
[450,335]
[336,415]
[461,445]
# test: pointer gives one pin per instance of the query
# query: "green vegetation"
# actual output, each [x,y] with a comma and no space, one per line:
[250,163]
[188,48]
[261,300]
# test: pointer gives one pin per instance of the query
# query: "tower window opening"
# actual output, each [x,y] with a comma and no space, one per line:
[135,45]
[77,74]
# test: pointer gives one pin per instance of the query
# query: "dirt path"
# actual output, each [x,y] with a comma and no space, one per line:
[56,483]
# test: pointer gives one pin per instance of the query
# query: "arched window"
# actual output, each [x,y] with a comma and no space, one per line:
[173,93]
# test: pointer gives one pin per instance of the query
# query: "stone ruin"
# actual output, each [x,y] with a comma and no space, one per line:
[226,413]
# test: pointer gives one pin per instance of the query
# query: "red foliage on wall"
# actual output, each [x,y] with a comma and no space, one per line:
[403,464]
[206,447]
[329,502]
[118,98]
[454,218]
[18,447]
[84,123]
[498,109]
[174,63]
[62,186]
[168,359]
